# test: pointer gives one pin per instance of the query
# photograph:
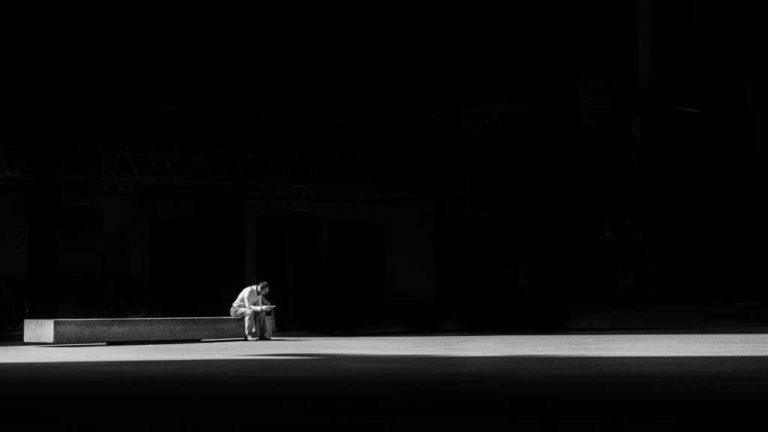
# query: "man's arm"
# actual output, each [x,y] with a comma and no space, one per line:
[247,298]
[253,307]
[248,305]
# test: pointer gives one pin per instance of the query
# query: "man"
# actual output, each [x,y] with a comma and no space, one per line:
[252,305]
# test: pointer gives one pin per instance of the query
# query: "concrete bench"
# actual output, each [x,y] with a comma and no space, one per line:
[96,330]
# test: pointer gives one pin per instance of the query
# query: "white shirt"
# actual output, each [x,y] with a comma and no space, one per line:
[248,297]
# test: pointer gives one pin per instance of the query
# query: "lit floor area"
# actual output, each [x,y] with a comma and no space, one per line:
[519,382]
[471,346]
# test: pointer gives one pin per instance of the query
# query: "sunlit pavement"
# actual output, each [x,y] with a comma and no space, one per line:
[386,383]
[637,345]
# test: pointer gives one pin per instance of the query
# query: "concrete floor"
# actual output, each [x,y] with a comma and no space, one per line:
[523,382]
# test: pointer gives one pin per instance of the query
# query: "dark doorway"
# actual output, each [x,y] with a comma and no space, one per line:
[81,261]
[222,218]
[357,295]
[289,256]
[181,273]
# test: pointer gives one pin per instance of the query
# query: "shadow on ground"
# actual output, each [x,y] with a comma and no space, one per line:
[381,392]
[173,342]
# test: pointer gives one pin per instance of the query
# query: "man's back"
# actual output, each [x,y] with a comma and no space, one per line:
[249,296]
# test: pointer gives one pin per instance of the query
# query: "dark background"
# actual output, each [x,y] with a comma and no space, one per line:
[533,169]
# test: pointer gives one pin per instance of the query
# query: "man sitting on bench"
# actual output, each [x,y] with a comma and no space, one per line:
[252,305]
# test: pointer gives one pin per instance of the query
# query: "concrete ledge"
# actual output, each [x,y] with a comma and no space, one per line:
[131,329]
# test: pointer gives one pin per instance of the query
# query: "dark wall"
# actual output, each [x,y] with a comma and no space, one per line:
[707,174]
[605,155]
[196,264]
[343,267]
[289,256]
[357,285]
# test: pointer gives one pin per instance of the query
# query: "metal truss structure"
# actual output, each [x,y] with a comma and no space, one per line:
[278,177]
[281,176]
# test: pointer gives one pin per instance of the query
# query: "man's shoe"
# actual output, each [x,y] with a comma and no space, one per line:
[251,338]
[264,338]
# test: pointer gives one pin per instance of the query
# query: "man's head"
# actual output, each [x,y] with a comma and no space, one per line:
[262,287]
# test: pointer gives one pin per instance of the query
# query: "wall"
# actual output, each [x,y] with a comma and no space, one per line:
[13,242]
[408,261]
[13,235]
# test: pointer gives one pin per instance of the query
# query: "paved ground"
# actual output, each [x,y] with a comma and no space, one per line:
[526,382]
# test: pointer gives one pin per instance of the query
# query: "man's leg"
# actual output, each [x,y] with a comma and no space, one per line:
[264,332]
[250,321]
[269,326]
[251,328]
